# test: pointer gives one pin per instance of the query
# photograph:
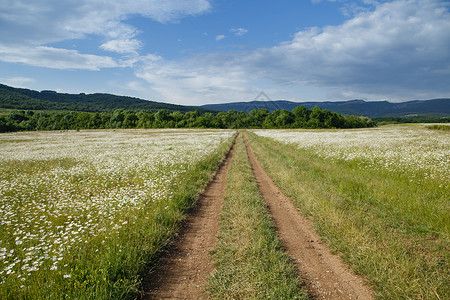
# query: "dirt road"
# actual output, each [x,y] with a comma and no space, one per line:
[184,271]
[324,274]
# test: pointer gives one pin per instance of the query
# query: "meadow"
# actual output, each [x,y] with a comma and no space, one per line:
[405,150]
[379,197]
[83,214]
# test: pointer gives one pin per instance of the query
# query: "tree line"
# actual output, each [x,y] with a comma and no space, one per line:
[299,117]
[414,119]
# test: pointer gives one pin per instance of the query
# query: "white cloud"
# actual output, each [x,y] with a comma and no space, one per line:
[239,31]
[21,82]
[210,78]
[43,21]
[57,58]
[395,49]
[220,37]
[34,24]
[196,80]
[398,51]
[122,46]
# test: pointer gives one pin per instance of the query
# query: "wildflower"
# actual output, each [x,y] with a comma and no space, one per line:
[47,195]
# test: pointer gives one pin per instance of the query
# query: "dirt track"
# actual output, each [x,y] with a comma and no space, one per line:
[183,273]
[324,274]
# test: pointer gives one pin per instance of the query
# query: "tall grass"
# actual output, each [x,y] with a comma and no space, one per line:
[439,127]
[249,258]
[391,229]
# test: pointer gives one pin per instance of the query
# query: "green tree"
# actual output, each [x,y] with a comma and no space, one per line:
[205,121]
[177,116]
[269,122]
[301,115]
[117,118]
[146,119]
[130,120]
[284,119]
[257,117]
[17,116]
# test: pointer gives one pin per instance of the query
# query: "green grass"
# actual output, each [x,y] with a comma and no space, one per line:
[250,262]
[439,127]
[118,273]
[392,230]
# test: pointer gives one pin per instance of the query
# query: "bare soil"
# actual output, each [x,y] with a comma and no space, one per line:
[324,274]
[184,270]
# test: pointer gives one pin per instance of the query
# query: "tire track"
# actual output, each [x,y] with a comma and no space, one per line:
[183,272]
[324,274]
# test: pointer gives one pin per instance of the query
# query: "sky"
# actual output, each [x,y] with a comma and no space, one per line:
[195,52]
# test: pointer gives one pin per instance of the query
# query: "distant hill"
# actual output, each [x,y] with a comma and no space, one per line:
[25,99]
[432,108]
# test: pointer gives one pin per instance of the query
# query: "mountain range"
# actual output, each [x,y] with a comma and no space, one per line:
[432,108]
[26,99]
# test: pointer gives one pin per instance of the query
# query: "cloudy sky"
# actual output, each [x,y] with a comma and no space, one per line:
[196,52]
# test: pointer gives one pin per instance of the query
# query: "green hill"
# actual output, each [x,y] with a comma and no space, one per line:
[25,99]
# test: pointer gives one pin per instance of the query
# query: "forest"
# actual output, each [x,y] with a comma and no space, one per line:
[299,117]
[25,99]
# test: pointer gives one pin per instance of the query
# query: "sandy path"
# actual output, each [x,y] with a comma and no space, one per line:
[325,275]
[184,271]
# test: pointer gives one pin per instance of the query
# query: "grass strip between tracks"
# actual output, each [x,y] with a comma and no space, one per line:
[391,230]
[250,262]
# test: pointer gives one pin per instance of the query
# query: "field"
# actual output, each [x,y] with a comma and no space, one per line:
[404,150]
[379,197]
[85,214]
[82,213]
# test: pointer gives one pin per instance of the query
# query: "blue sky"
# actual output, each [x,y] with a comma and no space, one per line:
[195,52]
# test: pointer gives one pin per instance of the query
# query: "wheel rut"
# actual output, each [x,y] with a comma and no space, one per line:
[324,274]
[183,272]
